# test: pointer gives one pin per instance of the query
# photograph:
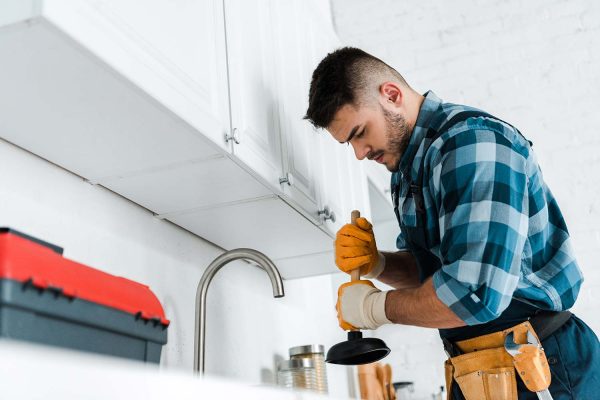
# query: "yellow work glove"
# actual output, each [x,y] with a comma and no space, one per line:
[360,305]
[355,247]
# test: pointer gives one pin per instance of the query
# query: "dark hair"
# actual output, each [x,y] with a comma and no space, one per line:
[343,77]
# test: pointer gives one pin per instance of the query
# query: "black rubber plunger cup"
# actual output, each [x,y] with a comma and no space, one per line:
[357,350]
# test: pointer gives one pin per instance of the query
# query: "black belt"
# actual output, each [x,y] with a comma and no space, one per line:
[544,323]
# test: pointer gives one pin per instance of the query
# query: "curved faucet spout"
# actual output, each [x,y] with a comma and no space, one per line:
[236,254]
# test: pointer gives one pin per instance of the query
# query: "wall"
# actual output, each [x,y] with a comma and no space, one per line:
[534,63]
[247,329]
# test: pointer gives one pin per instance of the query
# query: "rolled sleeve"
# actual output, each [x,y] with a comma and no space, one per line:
[483,223]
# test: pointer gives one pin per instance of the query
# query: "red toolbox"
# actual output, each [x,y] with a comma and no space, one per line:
[49,299]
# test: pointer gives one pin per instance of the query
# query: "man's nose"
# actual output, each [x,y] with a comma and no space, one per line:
[360,151]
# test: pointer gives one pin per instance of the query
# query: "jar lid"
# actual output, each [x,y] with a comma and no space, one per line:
[295,364]
[307,349]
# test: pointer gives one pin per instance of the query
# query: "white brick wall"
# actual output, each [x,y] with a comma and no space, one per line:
[535,63]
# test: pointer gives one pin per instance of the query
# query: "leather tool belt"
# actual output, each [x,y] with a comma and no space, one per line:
[485,370]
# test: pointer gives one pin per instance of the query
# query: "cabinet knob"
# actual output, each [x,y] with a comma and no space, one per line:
[234,136]
[288,178]
[327,214]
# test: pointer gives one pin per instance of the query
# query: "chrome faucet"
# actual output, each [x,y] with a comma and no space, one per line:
[247,254]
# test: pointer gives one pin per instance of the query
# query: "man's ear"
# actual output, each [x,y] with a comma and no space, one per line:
[390,92]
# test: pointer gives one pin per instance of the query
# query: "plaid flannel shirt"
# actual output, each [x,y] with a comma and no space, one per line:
[490,218]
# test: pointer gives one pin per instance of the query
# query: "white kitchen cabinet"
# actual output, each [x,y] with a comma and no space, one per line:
[333,180]
[380,178]
[142,100]
[342,179]
[385,226]
[339,172]
[173,50]
[87,87]
[254,94]
[273,47]
[295,33]
[344,183]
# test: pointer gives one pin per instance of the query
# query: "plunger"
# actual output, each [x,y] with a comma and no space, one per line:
[357,350]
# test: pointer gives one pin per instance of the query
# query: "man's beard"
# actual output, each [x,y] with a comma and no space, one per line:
[397,133]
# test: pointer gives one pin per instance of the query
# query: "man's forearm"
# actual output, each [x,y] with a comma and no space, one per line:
[420,306]
[400,271]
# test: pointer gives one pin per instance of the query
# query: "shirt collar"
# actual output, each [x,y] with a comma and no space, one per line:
[428,109]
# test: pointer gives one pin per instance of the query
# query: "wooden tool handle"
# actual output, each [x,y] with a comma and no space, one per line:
[355,273]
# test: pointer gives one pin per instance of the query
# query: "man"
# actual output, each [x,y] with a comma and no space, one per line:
[484,252]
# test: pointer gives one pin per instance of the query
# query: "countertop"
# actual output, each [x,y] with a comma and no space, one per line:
[29,371]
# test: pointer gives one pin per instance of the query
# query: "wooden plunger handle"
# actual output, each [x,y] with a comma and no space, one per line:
[355,273]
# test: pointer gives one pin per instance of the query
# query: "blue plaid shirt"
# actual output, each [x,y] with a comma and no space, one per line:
[490,218]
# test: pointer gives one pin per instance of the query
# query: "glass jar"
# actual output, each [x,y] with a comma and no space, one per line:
[297,373]
[314,352]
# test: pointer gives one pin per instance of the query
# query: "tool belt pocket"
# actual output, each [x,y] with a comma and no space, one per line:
[485,375]
[532,366]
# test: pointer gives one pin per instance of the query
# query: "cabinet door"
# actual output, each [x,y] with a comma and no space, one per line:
[89,86]
[333,177]
[173,50]
[334,182]
[253,86]
[343,183]
[295,37]
[356,196]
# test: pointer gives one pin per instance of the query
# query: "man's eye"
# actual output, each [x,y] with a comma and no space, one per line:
[360,134]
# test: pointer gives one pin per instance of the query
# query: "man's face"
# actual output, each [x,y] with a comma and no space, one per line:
[374,132]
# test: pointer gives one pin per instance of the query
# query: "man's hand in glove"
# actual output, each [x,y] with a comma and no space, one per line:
[361,305]
[355,248]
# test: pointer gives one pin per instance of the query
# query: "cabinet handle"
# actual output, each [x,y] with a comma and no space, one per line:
[288,178]
[234,136]
[327,214]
